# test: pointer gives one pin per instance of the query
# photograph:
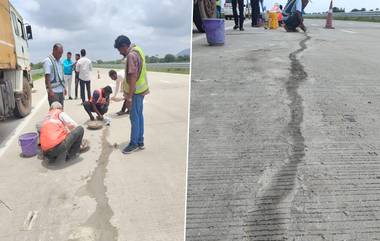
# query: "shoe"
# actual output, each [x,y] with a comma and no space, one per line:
[236,27]
[122,112]
[241,29]
[141,146]
[130,148]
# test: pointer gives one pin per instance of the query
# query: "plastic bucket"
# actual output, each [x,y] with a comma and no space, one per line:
[214,28]
[29,144]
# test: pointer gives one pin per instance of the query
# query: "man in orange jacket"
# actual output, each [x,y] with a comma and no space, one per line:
[60,136]
[98,103]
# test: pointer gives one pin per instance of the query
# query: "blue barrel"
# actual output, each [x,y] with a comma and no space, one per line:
[29,144]
[214,28]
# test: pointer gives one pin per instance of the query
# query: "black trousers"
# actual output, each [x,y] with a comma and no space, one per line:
[88,107]
[76,86]
[255,5]
[69,147]
[84,84]
[239,21]
[57,97]
[292,22]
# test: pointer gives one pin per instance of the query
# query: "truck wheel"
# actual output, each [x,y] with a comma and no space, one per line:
[23,100]
[203,9]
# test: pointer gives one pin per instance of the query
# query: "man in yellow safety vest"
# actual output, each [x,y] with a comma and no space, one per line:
[137,84]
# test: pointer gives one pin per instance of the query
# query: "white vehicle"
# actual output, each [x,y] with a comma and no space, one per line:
[15,72]
[228,13]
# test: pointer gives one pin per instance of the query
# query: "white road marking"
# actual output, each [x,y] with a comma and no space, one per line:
[30,219]
[348,31]
[203,36]
[22,125]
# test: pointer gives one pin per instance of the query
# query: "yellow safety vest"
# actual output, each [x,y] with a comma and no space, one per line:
[142,83]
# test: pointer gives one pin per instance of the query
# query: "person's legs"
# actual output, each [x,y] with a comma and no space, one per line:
[88,108]
[218,12]
[291,23]
[76,87]
[88,87]
[82,94]
[234,11]
[241,14]
[103,109]
[255,12]
[68,81]
[73,141]
[141,121]
[135,121]
[56,152]
[61,98]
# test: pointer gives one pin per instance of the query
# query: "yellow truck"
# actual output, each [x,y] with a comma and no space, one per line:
[15,72]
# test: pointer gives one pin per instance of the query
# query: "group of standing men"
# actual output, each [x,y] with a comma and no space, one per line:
[293,12]
[59,134]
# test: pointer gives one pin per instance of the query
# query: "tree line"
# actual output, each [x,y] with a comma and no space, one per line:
[169,58]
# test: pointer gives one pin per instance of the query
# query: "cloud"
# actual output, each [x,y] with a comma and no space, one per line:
[160,27]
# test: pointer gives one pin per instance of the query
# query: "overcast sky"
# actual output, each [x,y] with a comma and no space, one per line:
[159,27]
[323,5]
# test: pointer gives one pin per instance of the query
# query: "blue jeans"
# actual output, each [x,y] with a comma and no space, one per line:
[137,120]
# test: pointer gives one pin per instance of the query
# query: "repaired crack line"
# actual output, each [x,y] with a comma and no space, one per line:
[268,216]
[100,220]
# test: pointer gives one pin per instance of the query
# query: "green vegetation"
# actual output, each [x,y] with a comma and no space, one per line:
[37,76]
[348,18]
[153,69]
[170,70]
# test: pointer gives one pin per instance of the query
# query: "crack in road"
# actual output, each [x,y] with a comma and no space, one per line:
[274,200]
[99,221]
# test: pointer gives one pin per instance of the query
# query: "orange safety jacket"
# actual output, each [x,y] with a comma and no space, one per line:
[101,100]
[53,131]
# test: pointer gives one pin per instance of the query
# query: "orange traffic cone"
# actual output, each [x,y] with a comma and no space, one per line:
[329,19]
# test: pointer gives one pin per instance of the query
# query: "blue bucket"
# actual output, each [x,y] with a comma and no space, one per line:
[29,144]
[214,28]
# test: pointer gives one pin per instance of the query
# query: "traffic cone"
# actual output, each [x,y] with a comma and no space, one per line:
[329,20]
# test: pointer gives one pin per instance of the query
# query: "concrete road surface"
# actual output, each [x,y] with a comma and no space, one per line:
[103,195]
[285,135]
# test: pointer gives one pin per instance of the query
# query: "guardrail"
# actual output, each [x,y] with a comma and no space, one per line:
[148,65]
[351,14]
[121,66]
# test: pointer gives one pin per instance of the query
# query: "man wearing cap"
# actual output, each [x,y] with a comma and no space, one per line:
[136,81]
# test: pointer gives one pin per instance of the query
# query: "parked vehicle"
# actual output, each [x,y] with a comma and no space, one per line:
[15,71]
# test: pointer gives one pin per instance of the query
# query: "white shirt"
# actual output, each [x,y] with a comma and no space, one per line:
[119,82]
[84,67]
[67,120]
[299,5]
[48,69]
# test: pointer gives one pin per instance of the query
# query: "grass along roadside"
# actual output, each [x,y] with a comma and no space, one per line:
[37,76]
[172,70]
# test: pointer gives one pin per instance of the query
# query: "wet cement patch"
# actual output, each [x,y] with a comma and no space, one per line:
[98,227]
[273,202]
